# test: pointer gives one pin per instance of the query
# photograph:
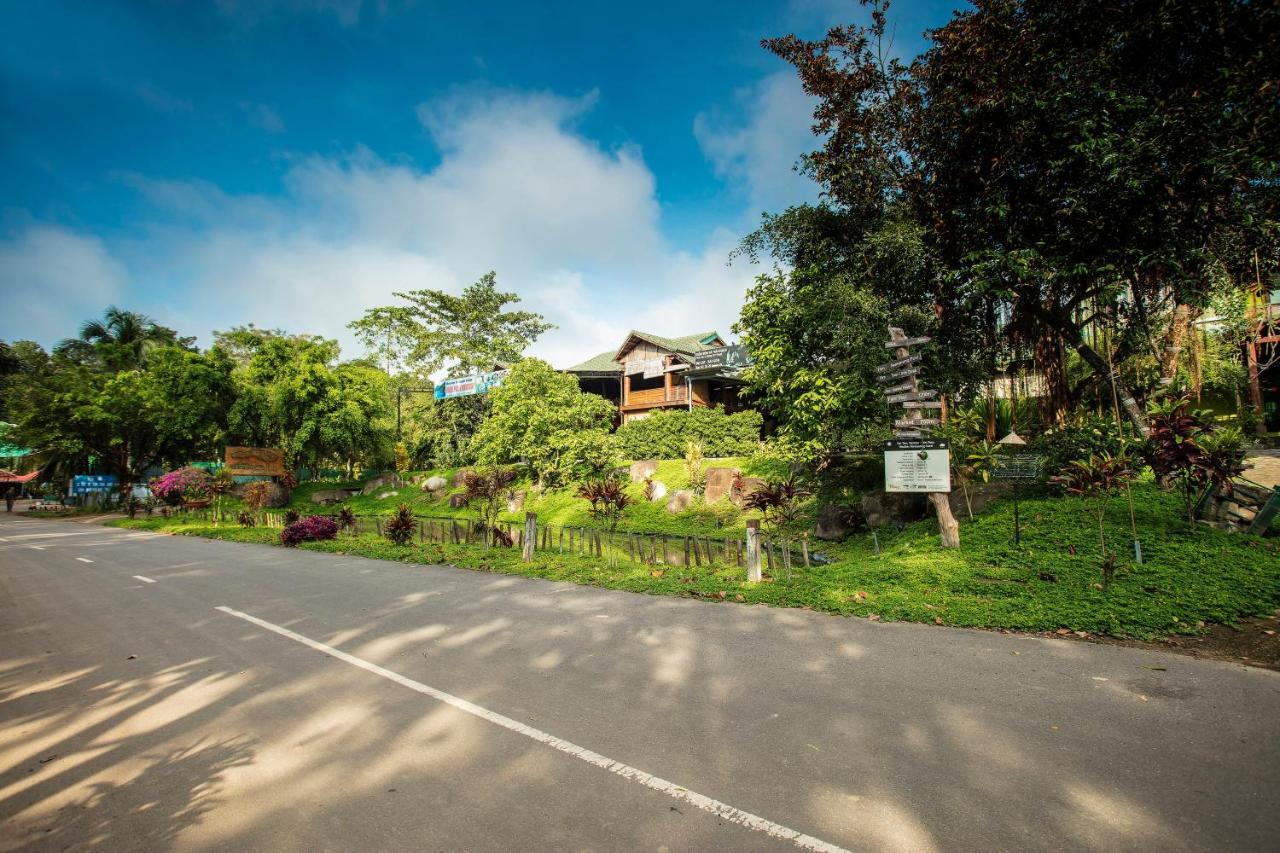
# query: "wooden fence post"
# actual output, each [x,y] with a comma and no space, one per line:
[753,550]
[530,535]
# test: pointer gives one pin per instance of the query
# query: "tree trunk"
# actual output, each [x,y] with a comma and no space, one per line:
[948,527]
[1047,353]
[1070,333]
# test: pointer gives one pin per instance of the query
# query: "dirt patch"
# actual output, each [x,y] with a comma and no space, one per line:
[1248,643]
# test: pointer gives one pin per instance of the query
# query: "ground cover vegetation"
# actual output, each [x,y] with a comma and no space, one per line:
[1079,204]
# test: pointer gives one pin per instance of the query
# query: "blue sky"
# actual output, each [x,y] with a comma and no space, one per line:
[292,162]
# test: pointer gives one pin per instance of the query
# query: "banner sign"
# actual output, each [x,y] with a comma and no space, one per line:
[255,461]
[917,465]
[84,484]
[652,368]
[730,358]
[465,386]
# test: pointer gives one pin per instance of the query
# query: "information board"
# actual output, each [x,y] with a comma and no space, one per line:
[917,465]
[1017,466]
[84,484]
[729,359]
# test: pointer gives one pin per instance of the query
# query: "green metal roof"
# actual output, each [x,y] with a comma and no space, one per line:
[684,345]
[7,450]
[602,363]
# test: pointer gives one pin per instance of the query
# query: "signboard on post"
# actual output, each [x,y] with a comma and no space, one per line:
[255,461]
[86,484]
[465,386]
[917,465]
[1017,466]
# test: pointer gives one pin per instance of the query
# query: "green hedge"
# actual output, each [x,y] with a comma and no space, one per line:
[665,434]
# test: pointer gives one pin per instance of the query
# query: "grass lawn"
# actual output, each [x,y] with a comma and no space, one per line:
[1190,575]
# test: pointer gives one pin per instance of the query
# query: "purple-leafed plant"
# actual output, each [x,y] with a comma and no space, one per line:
[487,491]
[778,502]
[401,526]
[346,518]
[313,528]
[1187,451]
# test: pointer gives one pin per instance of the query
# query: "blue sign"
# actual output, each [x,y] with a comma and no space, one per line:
[84,484]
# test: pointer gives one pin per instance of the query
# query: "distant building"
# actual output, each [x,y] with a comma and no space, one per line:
[650,372]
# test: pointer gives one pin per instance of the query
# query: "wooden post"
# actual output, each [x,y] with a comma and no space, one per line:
[804,549]
[686,551]
[753,550]
[948,527]
[665,558]
[530,535]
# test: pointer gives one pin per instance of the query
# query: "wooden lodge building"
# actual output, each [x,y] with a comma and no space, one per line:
[650,372]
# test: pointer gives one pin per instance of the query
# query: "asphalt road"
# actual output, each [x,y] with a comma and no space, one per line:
[338,703]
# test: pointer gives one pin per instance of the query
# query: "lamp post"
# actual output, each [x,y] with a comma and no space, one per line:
[400,392]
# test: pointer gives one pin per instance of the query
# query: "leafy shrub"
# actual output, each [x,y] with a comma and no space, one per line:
[693,468]
[183,484]
[779,505]
[608,498]
[245,518]
[313,528]
[666,434]
[1088,436]
[401,526]
[259,493]
[346,518]
[291,516]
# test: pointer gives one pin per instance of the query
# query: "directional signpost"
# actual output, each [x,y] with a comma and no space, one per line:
[914,462]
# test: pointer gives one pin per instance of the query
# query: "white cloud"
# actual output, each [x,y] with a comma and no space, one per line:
[570,225]
[263,116]
[54,279]
[758,152]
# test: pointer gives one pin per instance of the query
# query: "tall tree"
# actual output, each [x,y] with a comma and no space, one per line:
[1075,161]
[292,393]
[468,332]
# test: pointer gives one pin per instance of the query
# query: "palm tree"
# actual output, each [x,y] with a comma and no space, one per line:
[121,339]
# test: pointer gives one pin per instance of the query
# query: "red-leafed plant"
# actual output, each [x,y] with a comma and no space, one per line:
[401,526]
[346,518]
[1185,450]
[1097,478]
[608,498]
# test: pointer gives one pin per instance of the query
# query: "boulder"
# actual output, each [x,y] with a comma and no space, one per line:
[515,501]
[382,496]
[642,469]
[435,484]
[659,491]
[880,508]
[719,483]
[680,501]
[834,523]
[460,477]
[456,501]
[749,485]
[381,483]
[325,497]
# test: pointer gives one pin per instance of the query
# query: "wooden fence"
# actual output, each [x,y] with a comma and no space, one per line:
[613,546]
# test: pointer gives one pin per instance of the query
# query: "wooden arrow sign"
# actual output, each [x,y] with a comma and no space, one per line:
[923,404]
[907,433]
[907,423]
[911,395]
[898,389]
[907,342]
[897,364]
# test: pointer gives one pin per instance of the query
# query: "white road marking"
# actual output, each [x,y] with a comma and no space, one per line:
[724,810]
[84,559]
[58,535]
[144,579]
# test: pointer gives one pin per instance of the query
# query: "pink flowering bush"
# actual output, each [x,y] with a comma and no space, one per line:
[310,529]
[185,483]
